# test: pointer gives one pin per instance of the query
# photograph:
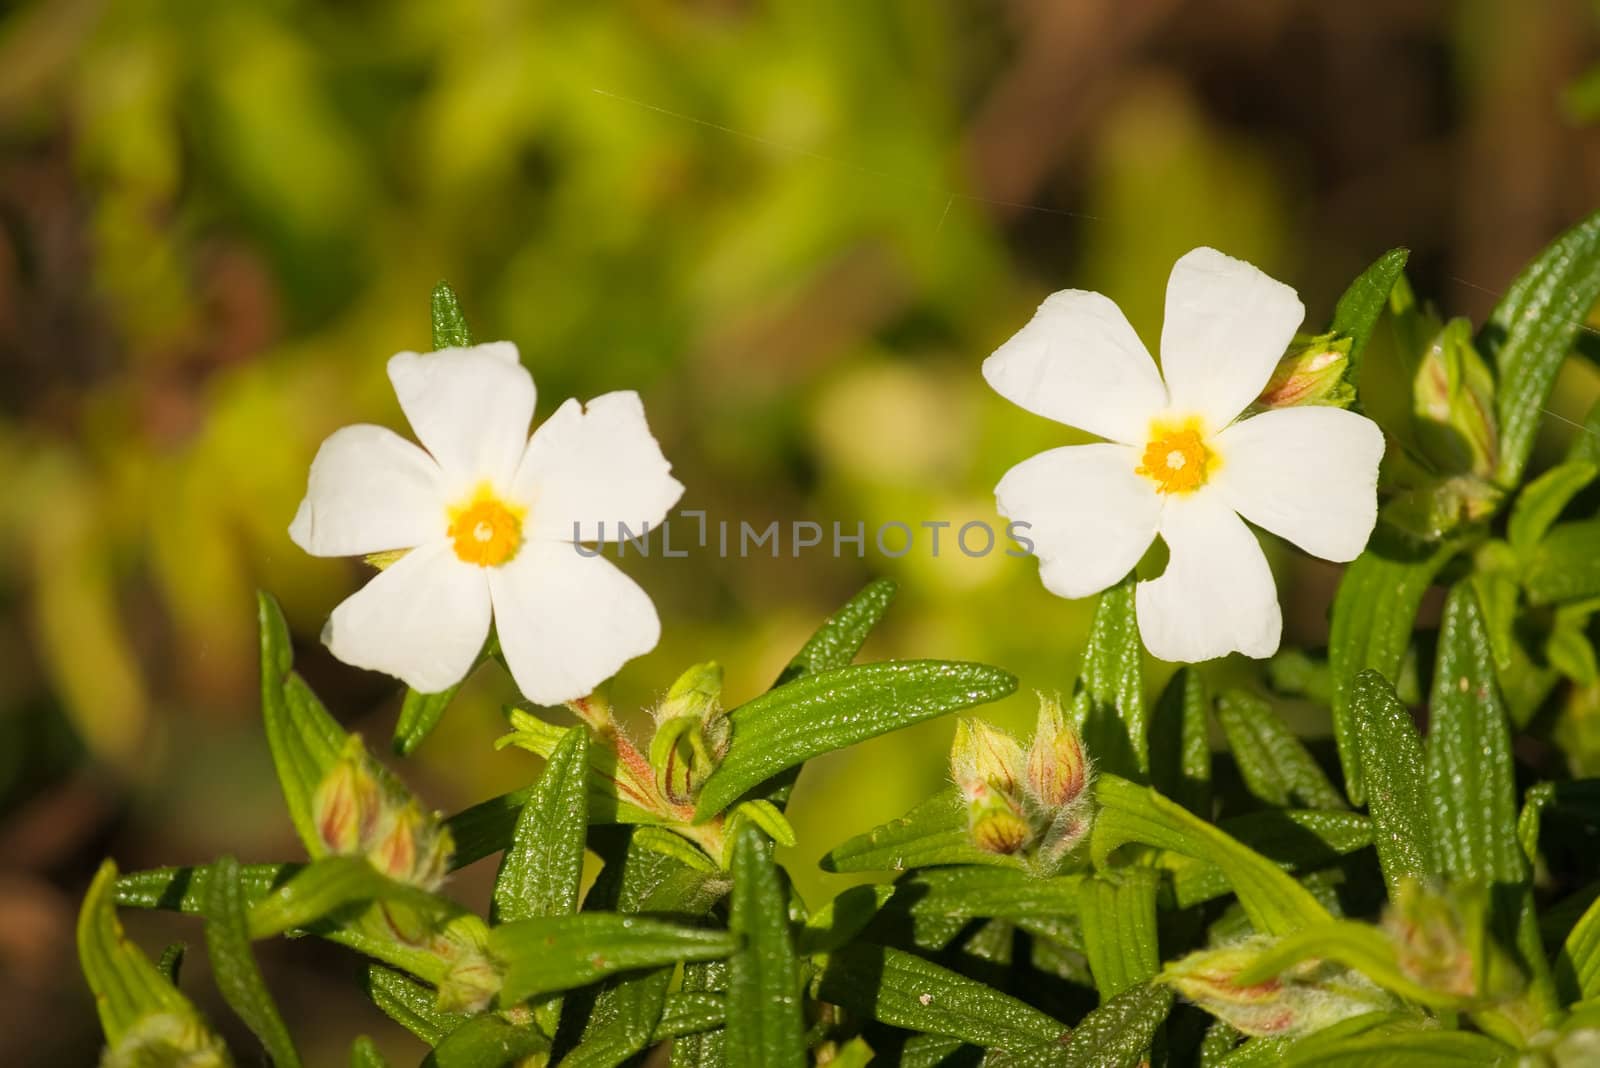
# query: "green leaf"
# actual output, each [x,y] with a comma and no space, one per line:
[127,987]
[1541,502]
[935,832]
[1294,839]
[839,639]
[1117,913]
[1397,783]
[1531,331]
[365,1054]
[486,1041]
[306,742]
[1183,771]
[940,902]
[1361,946]
[449,325]
[690,1014]
[1565,566]
[1109,703]
[904,990]
[1403,1049]
[1356,314]
[184,889]
[410,1004]
[1374,611]
[827,710]
[706,1049]
[1275,765]
[172,961]
[1577,966]
[1115,1035]
[330,885]
[1274,902]
[1578,797]
[542,871]
[233,965]
[549,953]
[1471,788]
[764,1008]
[419,714]
[842,919]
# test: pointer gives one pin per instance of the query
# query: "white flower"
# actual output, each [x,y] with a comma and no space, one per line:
[1176,462]
[486,517]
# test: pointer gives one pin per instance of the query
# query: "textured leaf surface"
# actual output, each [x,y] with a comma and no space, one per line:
[449,323]
[1541,502]
[543,870]
[550,953]
[486,1042]
[1294,839]
[1117,914]
[1397,783]
[329,885]
[1565,566]
[233,965]
[1110,698]
[827,710]
[1275,764]
[410,1004]
[764,1010]
[1356,314]
[306,742]
[1183,771]
[935,832]
[841,636]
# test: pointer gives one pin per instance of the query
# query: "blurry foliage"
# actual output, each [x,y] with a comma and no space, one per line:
[796,228]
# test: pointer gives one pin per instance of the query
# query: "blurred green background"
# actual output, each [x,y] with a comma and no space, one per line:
[796,227]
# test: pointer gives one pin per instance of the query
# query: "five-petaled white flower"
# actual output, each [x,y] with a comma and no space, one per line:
[1177,461]
[489,520]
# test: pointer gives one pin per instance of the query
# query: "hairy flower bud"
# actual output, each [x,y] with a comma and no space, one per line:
[1058,768]
[359,809]
[1431,940]
[1311,372]
[1307,997]
[984,759]
[996,822]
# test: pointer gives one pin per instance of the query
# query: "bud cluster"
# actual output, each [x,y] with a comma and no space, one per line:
[692,733]
[360,809]
[1035,800]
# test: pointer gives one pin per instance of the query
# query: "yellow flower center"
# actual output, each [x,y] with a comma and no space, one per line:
[1176,460]
[486,530]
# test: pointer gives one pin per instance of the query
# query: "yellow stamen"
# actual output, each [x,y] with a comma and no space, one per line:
[486,530]
[1176,460]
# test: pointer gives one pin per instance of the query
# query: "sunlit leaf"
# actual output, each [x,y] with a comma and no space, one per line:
[1356,313]
[1109,706]
[764,1010]
[1117,915]
[1397,783]
[935,832]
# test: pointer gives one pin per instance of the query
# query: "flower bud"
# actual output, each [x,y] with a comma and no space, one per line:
[1307,997]
[696,693]
[1430,939]
[359,809]
[1058,769]
[985,759]
[167,1038]
[1454,404]
[1311,372]
[471,983]
[1069,827]
[996,822]
[348,801]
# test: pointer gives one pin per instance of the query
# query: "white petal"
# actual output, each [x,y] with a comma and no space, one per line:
[1306,474]
[1080,363]
[369,490]
[1216,596]
[567,622]
[469,407]
[596,465]
[1227,324]
[423,619]
[1090,517]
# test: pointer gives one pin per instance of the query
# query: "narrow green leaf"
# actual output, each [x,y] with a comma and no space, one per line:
[1541,502]
[449,324]
[967,893]
[842,919]
[549,953]
[410,1004]
[184,889]
[1117,913]
[1361,946]
[690,1014]
[1183,771]
[1115,1035]
[1374,612]
[1296,840]
[127,987]
[839,639]
[234,965]
[1565,566]
[1576,797]
[542,871]
[1276,765]
[1405,1049]
[706,1049]
[935,832]
[904,990]
[1110,694]
[827,710]
[365,1054]
[486,1041]
[1274,902]
[171,961]
[419,714]
[1471,787]
[330,885]
[306,742]
[1356,314]
[1531,331]
[764,1008]
[1397,783]
[1577,966]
